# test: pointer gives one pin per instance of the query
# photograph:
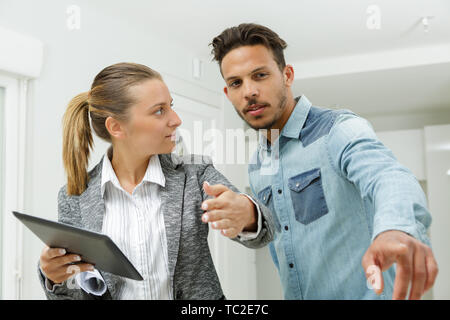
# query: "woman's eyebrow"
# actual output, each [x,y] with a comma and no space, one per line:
[158,104]
[161,104]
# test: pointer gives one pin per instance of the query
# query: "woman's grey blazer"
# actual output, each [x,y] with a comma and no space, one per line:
[191,267]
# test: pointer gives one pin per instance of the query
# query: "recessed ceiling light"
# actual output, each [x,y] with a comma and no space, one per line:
[426,23]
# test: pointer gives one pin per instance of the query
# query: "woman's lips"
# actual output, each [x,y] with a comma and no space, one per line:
[172,136]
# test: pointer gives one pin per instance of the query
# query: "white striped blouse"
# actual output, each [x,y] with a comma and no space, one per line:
[136,224]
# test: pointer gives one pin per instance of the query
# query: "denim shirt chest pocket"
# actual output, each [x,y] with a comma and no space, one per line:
[307,196]
[265,196]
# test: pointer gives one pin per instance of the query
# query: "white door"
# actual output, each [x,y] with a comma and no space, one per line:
[198,122]
[198,119]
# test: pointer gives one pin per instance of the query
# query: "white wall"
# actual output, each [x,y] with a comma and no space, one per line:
[71,60]
[437,139]
[408,148]
[406,121]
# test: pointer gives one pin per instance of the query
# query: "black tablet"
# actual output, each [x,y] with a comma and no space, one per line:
[95,248]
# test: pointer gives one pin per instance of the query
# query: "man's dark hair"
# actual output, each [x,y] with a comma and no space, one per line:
[248,34]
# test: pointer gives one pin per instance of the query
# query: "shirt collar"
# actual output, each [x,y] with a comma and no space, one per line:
[297,118]
[153,173]
[295,123]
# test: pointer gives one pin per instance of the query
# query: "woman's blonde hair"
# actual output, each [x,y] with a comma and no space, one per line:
[109,97]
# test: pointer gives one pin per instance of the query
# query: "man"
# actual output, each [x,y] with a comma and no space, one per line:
[339,197]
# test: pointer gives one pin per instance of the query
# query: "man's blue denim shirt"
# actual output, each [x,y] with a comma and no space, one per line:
[332,187]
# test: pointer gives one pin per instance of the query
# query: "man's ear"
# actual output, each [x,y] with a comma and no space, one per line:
[114,128]
[288,75]
[225,90]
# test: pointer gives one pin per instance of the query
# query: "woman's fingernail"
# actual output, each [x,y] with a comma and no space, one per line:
[62,251]
[77,258]
[204,206]
[207,183]
[205,218]
[91,268]
[214,224]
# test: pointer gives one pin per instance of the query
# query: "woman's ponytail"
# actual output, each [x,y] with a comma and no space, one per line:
[77,142]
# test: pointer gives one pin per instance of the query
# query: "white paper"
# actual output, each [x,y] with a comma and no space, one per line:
[91,282]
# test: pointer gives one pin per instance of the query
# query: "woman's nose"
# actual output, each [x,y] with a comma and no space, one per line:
[175,120]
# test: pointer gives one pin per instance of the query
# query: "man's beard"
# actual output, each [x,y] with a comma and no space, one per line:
[279,111]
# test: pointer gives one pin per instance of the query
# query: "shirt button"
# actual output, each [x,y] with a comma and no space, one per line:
[279,191]
[286,228]
[291,265]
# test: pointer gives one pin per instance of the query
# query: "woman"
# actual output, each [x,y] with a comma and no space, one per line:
[147,200]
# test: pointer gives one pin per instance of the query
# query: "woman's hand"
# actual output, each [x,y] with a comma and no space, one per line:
[59,266]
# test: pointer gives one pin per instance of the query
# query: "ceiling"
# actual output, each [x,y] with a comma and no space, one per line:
[312,28]
[317,30]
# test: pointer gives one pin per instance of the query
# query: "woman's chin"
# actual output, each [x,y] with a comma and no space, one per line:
[168,148]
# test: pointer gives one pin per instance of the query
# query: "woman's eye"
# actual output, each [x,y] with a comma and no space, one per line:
[159,111]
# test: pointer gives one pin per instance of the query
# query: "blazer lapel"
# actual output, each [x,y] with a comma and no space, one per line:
[172,195]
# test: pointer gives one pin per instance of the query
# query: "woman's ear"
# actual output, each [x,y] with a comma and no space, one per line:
[114,128]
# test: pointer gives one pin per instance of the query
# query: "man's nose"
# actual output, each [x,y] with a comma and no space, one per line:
[251,91]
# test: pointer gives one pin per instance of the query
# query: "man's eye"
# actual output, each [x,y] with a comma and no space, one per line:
[234,83]
[261,75]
